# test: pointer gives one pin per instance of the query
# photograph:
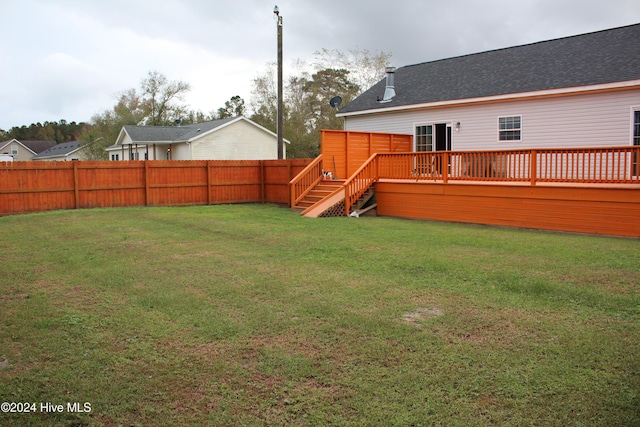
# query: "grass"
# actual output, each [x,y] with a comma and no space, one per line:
[252,315]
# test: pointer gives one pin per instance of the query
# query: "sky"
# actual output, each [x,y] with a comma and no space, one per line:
[69,59]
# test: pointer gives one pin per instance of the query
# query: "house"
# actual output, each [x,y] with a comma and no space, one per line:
[544,135]
[74,150]
[233,138]
[577,91]
[24,150]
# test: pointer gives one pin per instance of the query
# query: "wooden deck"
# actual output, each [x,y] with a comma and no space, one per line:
[587,190]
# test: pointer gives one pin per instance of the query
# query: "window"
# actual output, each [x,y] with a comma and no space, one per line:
[510,128]
[14,151]
[115,157]
[424,138]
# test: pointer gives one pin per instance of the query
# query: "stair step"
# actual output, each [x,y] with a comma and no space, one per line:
[320,192]
[330,188]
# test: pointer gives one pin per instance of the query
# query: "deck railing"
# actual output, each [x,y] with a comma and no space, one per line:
[360,181]
[305,180]
[605,165]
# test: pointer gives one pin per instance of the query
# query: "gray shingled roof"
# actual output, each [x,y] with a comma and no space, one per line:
[595,58]
[148,134]
[38,146]
[59,150]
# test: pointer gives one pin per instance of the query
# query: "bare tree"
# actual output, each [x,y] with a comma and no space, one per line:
[160,98]
[365,68]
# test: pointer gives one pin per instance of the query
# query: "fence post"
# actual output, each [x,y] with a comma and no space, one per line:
[208,182]
[146,183]
[76,190]
[262,183]
[533,164]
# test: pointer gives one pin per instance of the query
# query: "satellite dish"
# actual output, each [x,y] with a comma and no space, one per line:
[335,101]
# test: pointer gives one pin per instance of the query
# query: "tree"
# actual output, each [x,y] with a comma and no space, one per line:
[324,85]
[306,105]
[366,68]
[105,126]
[264,99]
[59,132]
[160,98]
[156,105]
[234,107]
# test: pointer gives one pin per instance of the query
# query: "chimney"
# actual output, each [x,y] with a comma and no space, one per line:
[389,90]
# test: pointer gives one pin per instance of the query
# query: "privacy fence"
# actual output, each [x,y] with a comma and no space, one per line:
[41,186]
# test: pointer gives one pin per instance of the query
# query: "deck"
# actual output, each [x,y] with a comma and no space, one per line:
[589,190]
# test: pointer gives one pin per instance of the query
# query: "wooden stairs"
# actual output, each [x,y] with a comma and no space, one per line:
[319,192]
[327,199]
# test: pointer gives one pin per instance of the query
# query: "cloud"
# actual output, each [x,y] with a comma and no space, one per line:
[67,59]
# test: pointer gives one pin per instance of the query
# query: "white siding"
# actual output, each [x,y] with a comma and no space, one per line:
[181,151]
[238,141]
[600,119]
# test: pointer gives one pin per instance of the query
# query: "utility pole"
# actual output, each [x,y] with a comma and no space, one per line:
[276,11]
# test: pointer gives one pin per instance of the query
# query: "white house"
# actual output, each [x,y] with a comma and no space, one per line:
[577,91]
[234,138]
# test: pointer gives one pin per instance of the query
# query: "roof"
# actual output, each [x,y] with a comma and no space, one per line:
[141,135]
[172,134]
[600,57]
[38,146]
[59,150]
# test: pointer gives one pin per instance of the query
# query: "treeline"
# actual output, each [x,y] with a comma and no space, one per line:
[59,132]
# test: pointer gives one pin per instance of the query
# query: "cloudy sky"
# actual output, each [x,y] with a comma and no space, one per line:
[67,59]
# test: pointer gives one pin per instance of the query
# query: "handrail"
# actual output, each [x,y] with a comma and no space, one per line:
[304,182]
[604,165]
[360,181]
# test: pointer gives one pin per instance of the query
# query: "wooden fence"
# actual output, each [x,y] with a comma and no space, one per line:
[41,186]
[345,151]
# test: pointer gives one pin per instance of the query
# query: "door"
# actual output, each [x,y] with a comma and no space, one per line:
[636,142]
[443,137]
[436,137]
[429,138]
[443,143]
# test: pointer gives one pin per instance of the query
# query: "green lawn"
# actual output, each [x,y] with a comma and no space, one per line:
[252,315]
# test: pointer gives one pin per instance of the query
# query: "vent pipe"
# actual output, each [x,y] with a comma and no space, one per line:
[389,90]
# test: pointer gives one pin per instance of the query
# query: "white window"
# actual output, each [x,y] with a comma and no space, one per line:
[14,150]
[510,128]
[424,138]
[115,157]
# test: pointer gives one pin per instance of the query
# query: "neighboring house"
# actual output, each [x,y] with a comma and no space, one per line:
[234,138]
[24,150]
[66,151]
[575,91]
